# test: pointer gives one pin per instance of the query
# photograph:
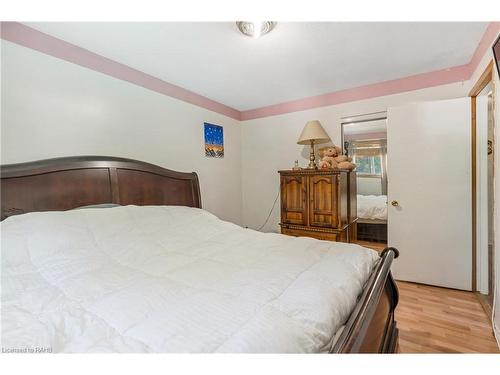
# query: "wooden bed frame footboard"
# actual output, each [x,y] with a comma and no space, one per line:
[371,328]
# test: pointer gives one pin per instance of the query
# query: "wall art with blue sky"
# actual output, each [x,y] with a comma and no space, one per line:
[214,140]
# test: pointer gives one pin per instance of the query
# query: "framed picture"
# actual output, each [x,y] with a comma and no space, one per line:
[496,53]
[214,140]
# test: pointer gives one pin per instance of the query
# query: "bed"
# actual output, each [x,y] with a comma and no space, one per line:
[372,218]
[157,273]
[372,208]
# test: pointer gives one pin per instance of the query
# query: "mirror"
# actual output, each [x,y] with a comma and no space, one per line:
[365,140]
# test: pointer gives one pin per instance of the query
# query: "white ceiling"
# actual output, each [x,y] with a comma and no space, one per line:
[294,61]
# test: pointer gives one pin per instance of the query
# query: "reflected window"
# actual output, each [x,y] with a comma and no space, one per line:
[368,165]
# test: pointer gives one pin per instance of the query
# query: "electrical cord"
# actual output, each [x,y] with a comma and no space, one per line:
[270,212]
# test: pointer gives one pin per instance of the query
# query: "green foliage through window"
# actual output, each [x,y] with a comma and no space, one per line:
[368,165]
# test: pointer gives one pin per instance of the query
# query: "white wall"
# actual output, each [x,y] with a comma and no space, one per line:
[369,185]
[270,144]
[53,108]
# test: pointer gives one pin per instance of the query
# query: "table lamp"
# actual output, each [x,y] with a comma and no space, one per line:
[313,133]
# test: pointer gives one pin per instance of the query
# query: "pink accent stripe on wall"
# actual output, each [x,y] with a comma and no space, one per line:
[419,81]
[28,37]
[486,42]
[23,35]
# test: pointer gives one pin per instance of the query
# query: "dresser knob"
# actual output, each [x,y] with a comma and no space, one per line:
[395,203]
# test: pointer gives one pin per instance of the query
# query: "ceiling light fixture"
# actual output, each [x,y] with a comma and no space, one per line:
[255,29]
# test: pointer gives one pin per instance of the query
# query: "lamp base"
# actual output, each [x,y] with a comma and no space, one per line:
[312,158]
[312,166]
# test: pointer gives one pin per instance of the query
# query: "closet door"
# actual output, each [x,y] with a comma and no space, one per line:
[429,192]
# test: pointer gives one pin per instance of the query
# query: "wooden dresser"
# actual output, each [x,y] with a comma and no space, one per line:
[319,203]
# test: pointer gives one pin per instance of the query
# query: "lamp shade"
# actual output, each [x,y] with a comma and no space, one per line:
[313,131]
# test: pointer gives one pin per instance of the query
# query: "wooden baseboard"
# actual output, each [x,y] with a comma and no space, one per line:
[485,303]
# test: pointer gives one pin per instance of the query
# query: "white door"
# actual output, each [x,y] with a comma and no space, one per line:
[429,176]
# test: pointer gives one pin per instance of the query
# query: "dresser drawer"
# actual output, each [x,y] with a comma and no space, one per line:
[339,236]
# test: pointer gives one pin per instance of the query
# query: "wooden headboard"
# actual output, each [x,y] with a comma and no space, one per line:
[65,183]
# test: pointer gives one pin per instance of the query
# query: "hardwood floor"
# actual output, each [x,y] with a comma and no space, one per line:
[440,320]
[377,246]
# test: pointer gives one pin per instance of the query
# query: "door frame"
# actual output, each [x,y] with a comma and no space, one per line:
[485,78]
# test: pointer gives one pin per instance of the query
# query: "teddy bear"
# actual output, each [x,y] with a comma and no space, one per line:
[343,161]
[327,155]
[332,158]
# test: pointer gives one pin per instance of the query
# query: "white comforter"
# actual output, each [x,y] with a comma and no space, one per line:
[373,207]
[171,279]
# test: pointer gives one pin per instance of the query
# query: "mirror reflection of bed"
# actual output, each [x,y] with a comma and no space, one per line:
[365,140]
